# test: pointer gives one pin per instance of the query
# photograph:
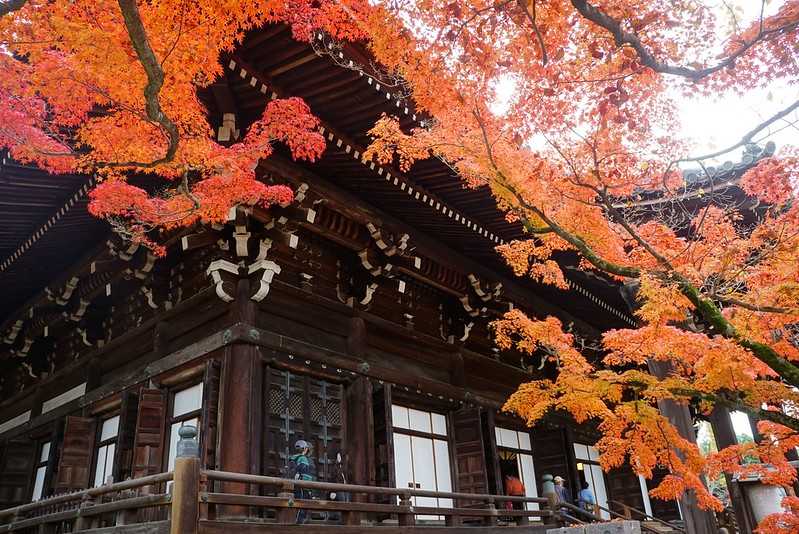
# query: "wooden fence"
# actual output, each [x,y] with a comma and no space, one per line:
[212,502]
[101,508]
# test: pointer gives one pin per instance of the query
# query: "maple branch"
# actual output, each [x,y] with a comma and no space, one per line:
[749,137]
[623,37]
[531,18]
[752,307]
[9,6]
[155,80]
[711,313]
[476,14]
[574,240]
[706,308]
[722,400]
[622,220]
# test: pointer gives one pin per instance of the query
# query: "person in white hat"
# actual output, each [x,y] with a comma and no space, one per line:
[564,495]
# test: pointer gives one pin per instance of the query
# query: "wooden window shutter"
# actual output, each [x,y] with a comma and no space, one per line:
[149,440]
[16,472]
[470,461]
[123,456]
[210,412]
[75,465]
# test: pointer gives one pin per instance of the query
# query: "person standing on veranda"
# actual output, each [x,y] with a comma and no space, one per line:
[586,500]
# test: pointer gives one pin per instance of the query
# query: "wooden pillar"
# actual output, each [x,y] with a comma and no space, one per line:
[725,436]
[359,451]
[571,462]
[697,521]
[240,427]
[495,483]
[186,485]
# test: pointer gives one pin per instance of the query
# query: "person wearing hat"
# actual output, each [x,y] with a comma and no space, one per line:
[564,495]
[301,469]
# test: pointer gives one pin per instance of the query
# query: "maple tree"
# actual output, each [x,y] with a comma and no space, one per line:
[590,130]
[110,88]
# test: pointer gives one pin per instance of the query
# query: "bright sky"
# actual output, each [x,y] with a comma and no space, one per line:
[741,424]
[715,123]
[721,121]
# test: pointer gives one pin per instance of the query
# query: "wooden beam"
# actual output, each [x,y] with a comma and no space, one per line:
[360,211]
[180,357]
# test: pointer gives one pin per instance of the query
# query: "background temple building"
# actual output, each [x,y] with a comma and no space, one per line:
[356,318]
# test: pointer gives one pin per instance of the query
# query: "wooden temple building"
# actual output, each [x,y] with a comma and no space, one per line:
[355,319]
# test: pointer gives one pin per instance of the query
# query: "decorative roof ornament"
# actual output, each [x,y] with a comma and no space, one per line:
[752,154]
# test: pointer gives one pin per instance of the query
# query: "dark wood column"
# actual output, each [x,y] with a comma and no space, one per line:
[697,521]
[725,436]
[360,438]
[571,461]
[240,412]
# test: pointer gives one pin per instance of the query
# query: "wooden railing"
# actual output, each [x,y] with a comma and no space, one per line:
[398,502]
[208,502]
[628,511]
[191,505]
[116,504]
[574,514]
[213,502]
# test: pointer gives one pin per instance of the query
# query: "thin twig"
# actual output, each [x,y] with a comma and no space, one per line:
[746,139]
[531,18]
[623,37]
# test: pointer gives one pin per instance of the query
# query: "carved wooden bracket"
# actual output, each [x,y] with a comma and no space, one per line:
[483,299]
[376,260]
[244,244]
[354,283]
[456,324]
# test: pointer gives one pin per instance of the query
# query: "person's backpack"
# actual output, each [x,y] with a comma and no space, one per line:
[301,467]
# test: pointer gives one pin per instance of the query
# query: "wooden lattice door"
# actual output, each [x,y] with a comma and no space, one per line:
[301,407]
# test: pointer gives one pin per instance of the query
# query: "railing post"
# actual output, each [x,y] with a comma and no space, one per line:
[627,511]
[129,515]
[186,484]
[523,520]
[452,520]
[287,516]
[406,519]
[207,511]
[548,492]
[84,522]
[491,520]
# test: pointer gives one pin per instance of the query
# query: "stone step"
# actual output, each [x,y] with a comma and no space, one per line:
[658,527]
[616,527]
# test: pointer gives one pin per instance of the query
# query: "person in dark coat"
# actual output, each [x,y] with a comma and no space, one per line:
[564,495]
